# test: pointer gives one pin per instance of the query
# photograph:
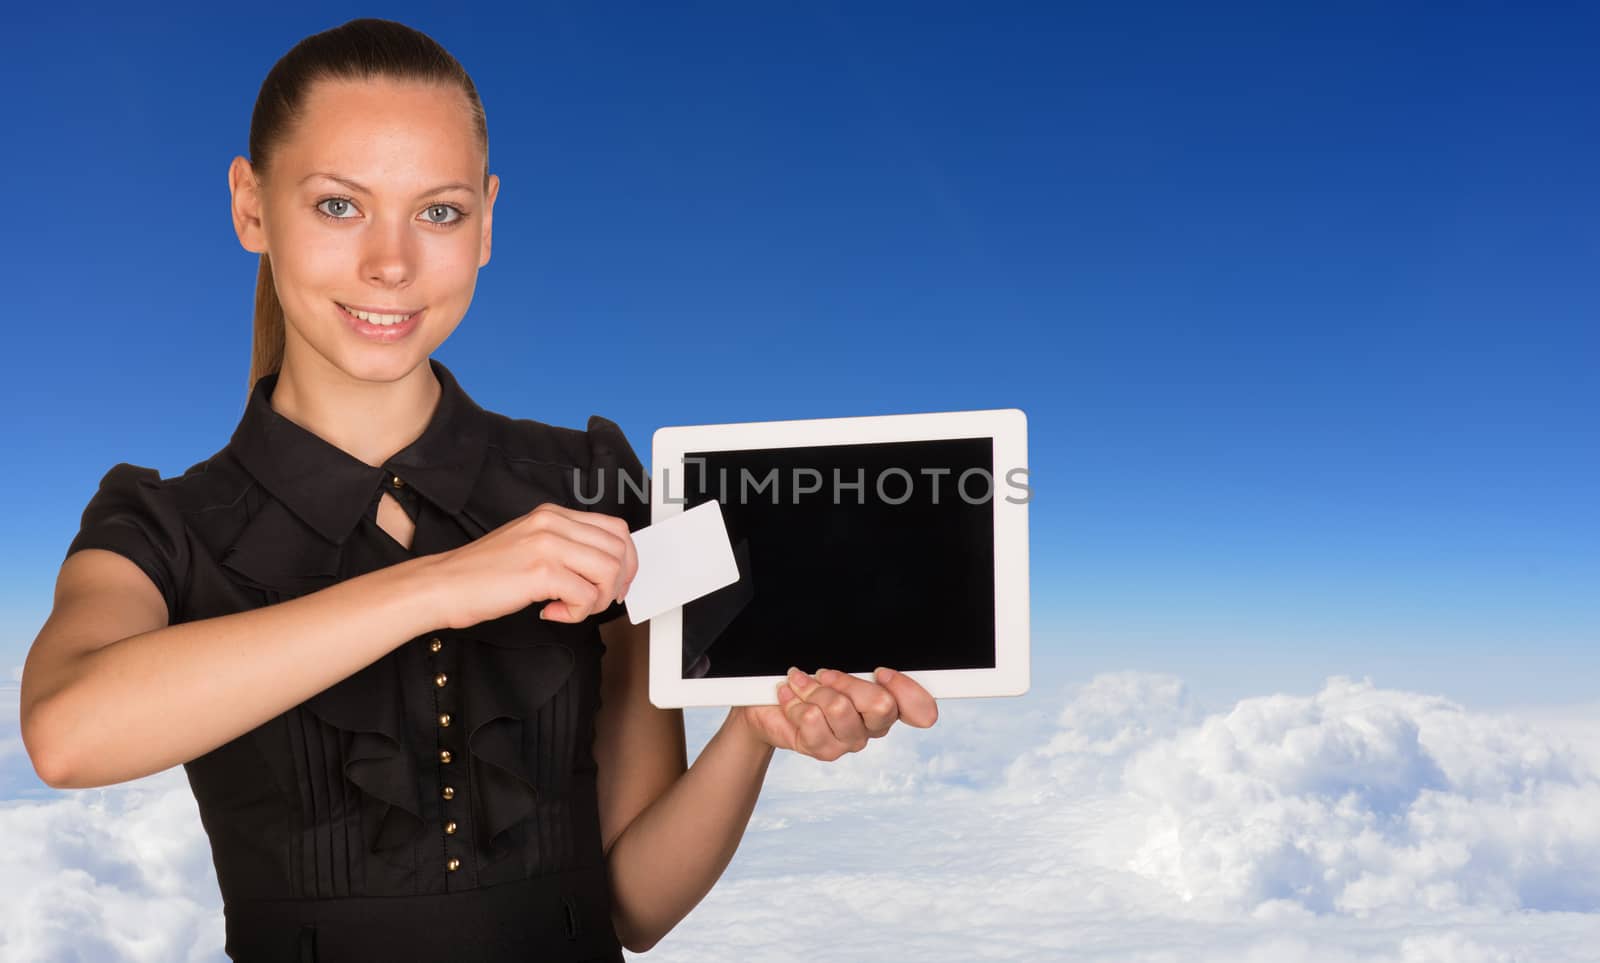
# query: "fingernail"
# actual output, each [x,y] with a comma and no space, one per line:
[825,675]
[785,695]
[797,677]
[884,675]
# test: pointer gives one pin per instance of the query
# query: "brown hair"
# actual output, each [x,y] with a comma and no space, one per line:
[362,49]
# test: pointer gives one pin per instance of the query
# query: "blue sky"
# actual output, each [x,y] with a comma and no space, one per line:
[1302,306]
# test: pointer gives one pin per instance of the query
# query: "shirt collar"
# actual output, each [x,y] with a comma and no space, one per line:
[329,489]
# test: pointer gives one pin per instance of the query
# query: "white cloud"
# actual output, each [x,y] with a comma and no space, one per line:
[1111,821]
[114,874]
[1358,800]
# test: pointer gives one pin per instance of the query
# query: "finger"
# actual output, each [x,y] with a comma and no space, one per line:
[630,563]
[595,565]
[592,528]
[917,705]
[846,729]
[573,597]
[585,549]
[602,519]
[629,556]
[812,735]
[559,517]
[782,727]
[876,705]
[617,526]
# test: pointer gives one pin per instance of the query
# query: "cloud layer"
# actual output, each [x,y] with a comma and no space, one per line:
[1110,820]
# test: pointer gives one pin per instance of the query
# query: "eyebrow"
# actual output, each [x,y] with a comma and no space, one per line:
[347,182]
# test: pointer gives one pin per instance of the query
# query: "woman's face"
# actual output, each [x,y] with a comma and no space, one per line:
[375,201]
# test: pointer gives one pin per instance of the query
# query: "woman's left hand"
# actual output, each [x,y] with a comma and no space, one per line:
[835,713]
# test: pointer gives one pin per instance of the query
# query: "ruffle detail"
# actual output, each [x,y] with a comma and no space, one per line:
[366,709]
[276,551]
[519,746]
[519,667]
[266,553]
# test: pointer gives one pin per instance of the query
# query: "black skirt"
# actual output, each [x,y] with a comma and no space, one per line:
[553,918]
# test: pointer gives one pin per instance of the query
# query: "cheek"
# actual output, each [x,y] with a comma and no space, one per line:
[309,258]
[455,257]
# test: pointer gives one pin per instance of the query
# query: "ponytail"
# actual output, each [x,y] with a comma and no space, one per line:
[266,348]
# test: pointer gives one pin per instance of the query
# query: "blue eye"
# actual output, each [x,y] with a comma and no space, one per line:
[349,205]
[447,207]
[333,200]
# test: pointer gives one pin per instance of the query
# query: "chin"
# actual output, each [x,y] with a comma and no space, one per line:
[386,366]
[371,362]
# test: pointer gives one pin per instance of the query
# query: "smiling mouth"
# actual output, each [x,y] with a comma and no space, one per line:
[383,318]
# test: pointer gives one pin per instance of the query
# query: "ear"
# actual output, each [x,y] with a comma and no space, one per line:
[246,191]
[488,217]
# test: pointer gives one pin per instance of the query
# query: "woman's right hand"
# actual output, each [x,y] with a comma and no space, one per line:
[580,561]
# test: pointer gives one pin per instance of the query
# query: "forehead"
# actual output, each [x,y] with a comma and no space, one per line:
[384,133]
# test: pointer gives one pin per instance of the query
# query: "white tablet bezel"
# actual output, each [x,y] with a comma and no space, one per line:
[1008,427]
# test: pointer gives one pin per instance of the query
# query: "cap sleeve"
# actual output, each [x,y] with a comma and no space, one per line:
[626,485]
[133,515]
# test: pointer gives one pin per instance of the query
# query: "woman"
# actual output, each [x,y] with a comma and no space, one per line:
[331,622]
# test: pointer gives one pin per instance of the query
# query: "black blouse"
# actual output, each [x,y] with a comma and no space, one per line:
[438,804]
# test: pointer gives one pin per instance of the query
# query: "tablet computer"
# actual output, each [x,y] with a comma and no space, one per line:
[886,540]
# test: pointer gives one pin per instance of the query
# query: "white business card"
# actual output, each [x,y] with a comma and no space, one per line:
[680,559]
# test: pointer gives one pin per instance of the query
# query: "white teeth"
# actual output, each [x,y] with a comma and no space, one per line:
[370,318]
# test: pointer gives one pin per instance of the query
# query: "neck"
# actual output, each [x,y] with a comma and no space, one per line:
[369,420]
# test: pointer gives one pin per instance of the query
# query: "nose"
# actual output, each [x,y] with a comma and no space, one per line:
[389,253]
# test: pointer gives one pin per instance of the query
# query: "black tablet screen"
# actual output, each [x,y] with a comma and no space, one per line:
[850,557]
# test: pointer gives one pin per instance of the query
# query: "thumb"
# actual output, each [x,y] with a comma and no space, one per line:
[555,610]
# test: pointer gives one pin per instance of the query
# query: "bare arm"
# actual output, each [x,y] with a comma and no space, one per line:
[93,715]
[110,692]
[669,830]
[672,853]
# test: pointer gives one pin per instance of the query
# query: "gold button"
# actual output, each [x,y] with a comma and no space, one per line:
[449,793]
[397,482]
[450,827]
[435,645]
[440,679]
[444,755]
[453,865]
[444,718]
